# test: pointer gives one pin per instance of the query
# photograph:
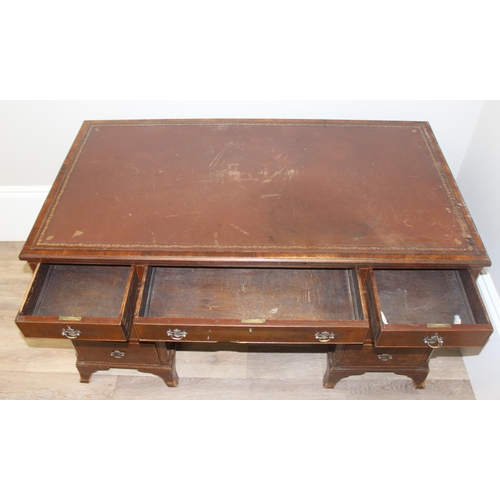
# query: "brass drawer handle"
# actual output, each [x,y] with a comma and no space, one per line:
[435,342]
[176,334]
[70,333]
[324,336]
[118,354]
[384,357]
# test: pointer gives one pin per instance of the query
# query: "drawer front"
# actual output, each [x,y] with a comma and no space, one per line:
[275,306]
[79,302]
[33,328]
[251,334]
[426,308]
[369,356]
[435,339]
[120,353]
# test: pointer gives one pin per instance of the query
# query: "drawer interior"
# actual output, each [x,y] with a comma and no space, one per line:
[256,294]
[77,291]
[428,297]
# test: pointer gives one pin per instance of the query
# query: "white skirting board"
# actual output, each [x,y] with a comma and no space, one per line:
[19,207]
[483,365]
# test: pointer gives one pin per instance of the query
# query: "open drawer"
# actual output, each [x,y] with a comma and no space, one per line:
[284,306]
[420,308]
[79,302]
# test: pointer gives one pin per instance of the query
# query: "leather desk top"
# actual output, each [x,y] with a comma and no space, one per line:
[256,192]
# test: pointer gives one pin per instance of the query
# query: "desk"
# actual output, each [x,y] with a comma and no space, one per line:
[349,233]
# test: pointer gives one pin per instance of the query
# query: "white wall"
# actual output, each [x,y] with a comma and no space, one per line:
[479,182]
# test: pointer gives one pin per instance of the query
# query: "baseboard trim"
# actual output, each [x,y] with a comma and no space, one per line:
[482,364]
[19,207]
[490,297]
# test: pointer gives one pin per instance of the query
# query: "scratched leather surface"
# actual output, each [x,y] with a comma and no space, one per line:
[259,187]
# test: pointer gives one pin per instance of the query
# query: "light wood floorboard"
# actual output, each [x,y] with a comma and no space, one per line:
[45,369]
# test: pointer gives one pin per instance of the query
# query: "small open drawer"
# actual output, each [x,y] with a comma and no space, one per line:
[81,302]
[420,308]
[284,306]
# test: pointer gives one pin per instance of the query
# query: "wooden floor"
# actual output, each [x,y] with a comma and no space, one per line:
[45,369]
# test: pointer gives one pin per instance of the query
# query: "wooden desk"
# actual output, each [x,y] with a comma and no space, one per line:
[349,233]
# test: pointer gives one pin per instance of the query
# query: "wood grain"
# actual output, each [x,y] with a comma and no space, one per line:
[45,369]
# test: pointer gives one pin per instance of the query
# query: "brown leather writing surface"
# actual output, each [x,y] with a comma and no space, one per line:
[329,192]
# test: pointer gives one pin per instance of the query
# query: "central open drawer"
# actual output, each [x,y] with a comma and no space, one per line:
[426,308]
[284,306]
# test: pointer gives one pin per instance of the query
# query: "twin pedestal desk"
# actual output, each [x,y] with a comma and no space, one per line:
[348,233]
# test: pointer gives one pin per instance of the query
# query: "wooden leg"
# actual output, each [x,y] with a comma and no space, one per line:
[165,369]
[344,361]
[335,373]
[86,370]
[332,377]
[417,376]
[167,372]
[164,372]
